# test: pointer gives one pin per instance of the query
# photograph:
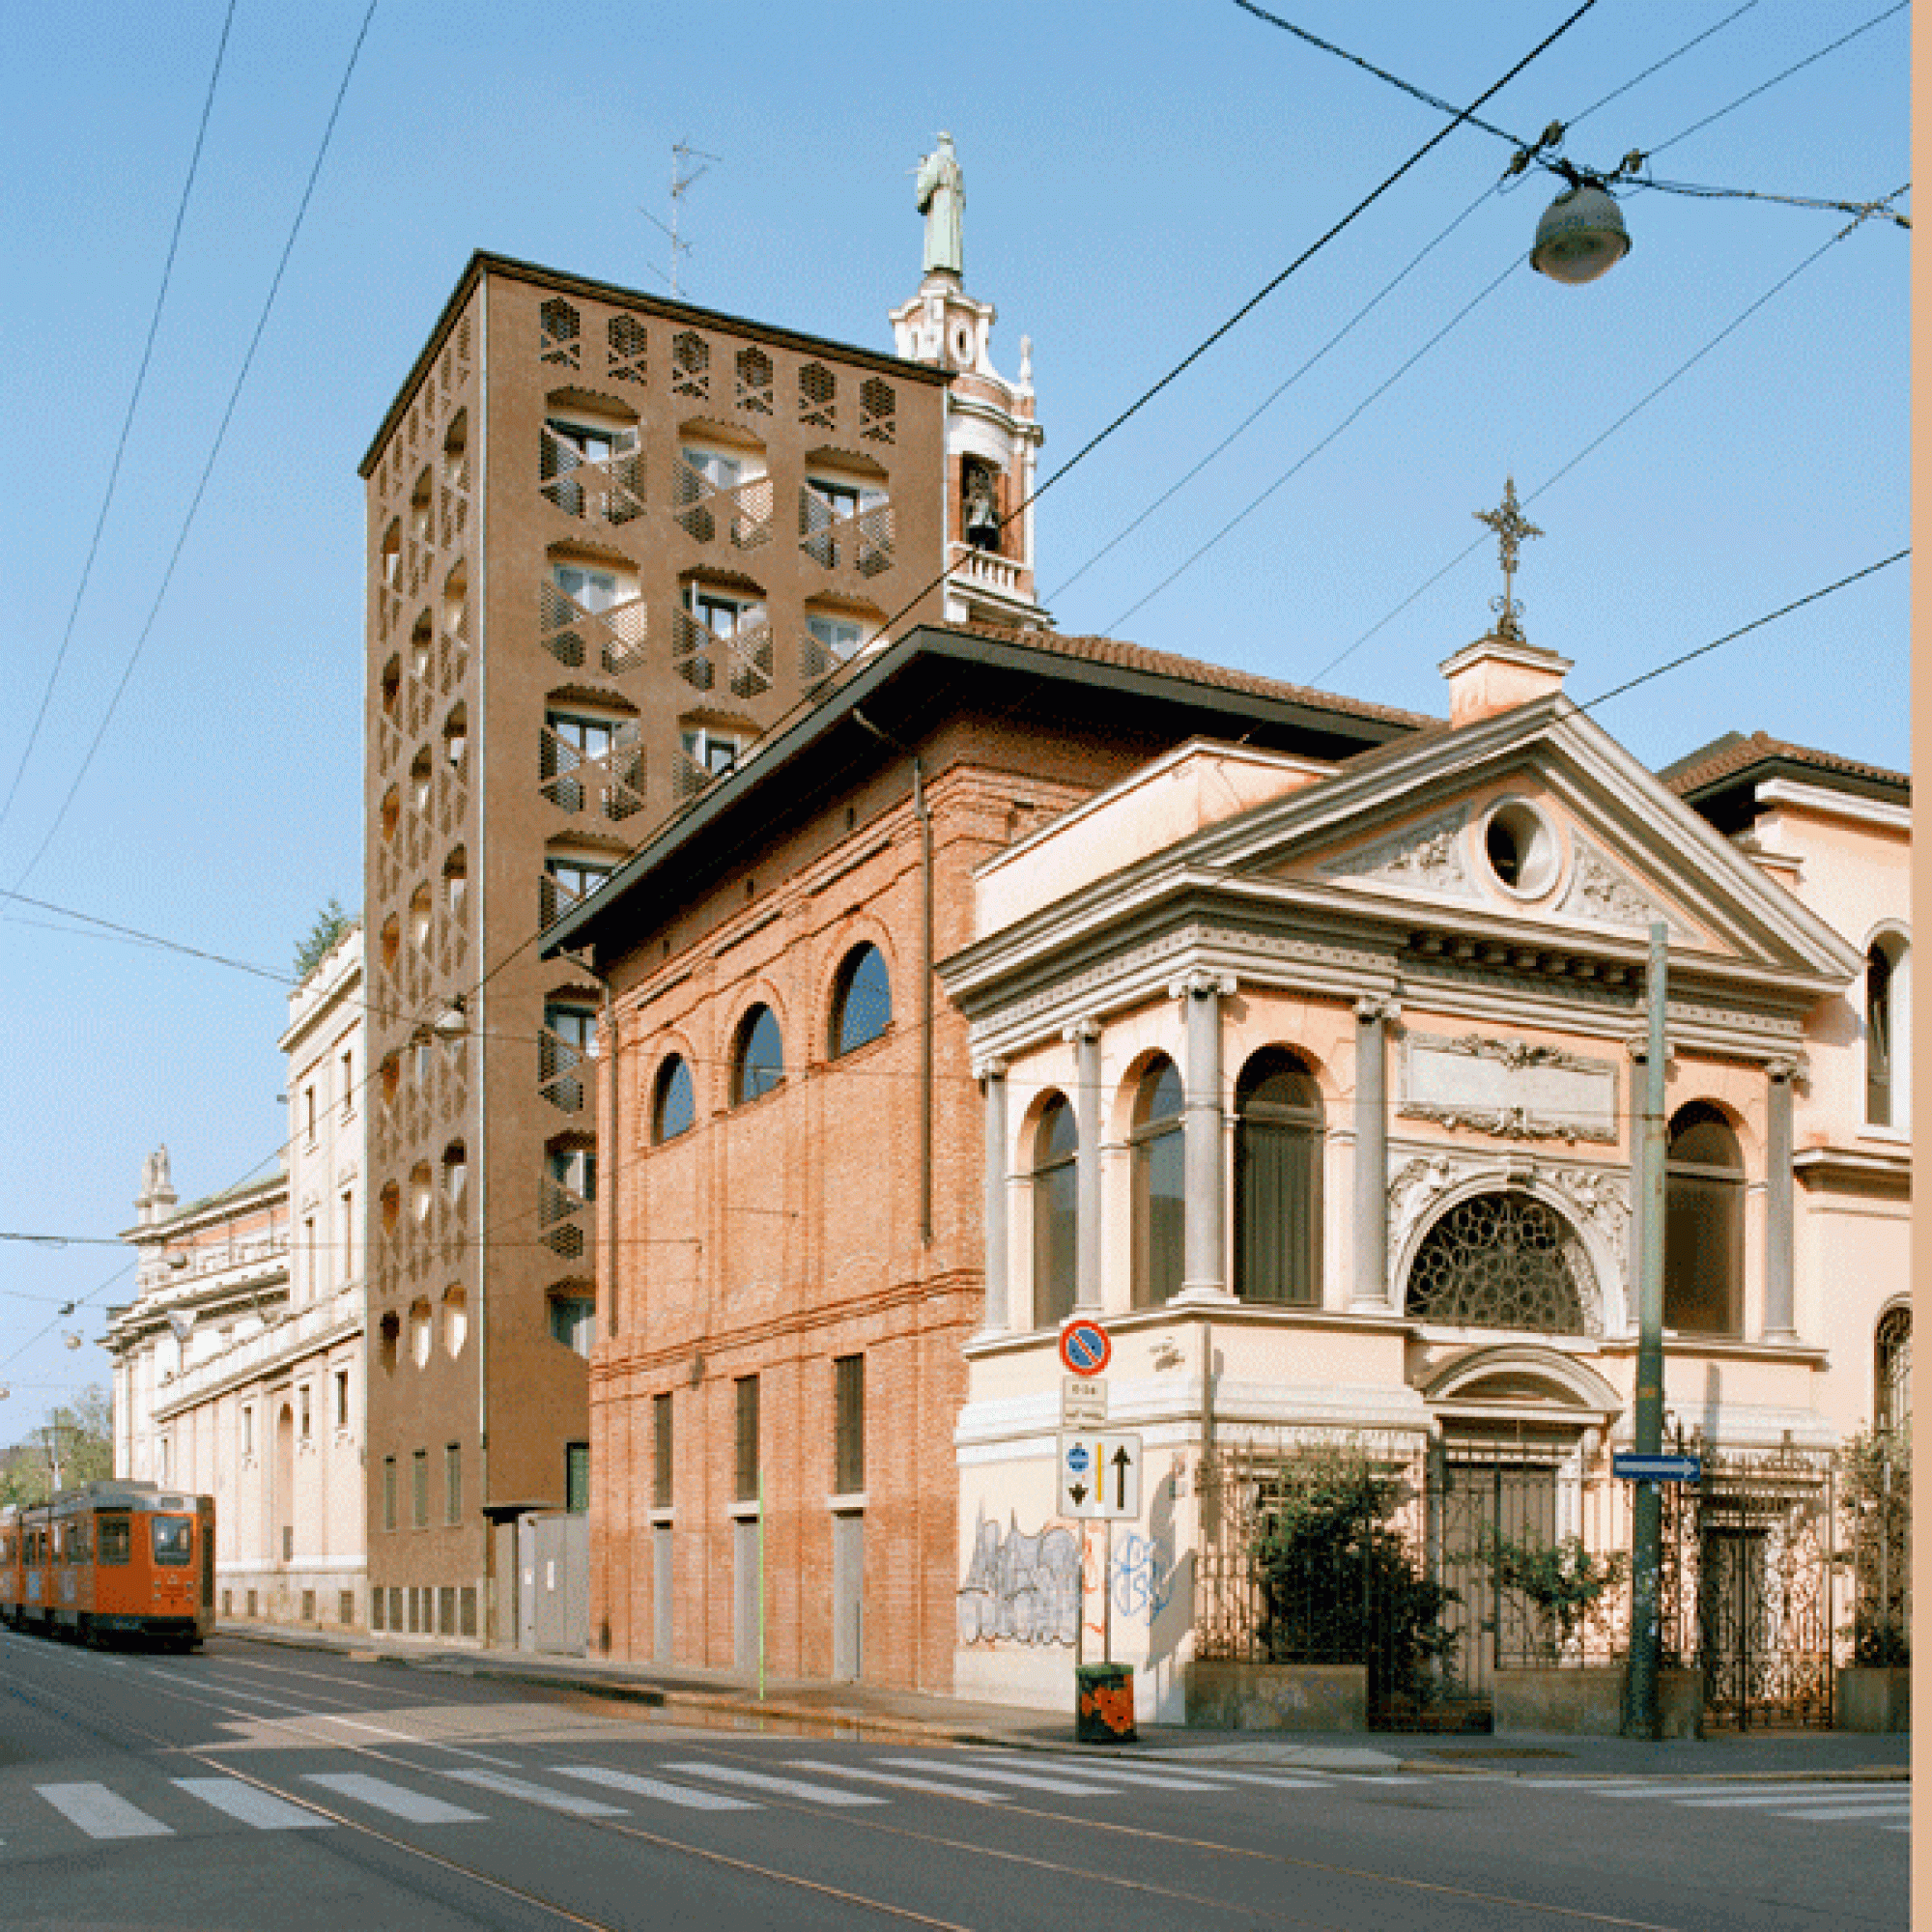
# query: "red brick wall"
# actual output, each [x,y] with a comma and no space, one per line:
[779,1235]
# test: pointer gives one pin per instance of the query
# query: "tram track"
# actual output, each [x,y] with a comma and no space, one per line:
[1093,1875]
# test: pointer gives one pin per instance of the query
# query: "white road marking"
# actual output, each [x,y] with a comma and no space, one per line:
[656,1787]
[262,1809]
[100,1814]
[1788,1793]
[417,1807]
[538,1793]
[1159,1781]
[993,1774]
[785,1787]
[1831,1814]
[903,1782]
[1289,1781]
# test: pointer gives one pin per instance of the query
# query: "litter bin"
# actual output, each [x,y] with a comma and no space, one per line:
[1103,1703]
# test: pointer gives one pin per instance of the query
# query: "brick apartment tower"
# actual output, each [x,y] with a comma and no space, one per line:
[612,540]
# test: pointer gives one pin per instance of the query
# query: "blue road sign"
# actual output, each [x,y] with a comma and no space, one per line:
[1077,1458]
[1628,1463]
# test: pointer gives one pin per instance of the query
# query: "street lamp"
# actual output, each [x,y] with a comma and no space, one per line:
[1581,237]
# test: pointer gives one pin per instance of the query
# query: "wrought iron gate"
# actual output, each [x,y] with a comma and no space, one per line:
[1747,1587]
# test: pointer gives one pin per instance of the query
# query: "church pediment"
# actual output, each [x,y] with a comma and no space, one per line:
[1534,828]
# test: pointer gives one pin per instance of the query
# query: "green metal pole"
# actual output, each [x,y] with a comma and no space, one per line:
[1647,1505]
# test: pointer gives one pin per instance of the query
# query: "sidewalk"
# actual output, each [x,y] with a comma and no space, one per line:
[869,1712]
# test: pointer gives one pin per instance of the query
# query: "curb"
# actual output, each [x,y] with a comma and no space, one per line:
[735,1704]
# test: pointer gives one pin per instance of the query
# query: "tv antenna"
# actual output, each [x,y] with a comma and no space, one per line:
[682,176]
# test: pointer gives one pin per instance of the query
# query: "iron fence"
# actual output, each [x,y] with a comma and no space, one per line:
[1451,1559]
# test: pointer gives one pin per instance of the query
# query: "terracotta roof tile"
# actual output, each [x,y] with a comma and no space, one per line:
[1167,664]
[1735,752]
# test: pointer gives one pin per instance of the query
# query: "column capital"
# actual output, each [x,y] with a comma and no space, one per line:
[1790,1068]
[1372,1006]
[1637,1046]
[1083,1029]
[1203,985]
[993,1069]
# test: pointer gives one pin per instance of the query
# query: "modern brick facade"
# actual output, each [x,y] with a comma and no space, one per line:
[612,539]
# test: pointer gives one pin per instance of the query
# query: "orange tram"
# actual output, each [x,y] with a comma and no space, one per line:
[110,1560]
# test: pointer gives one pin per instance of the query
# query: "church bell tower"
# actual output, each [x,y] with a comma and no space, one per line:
[992,440]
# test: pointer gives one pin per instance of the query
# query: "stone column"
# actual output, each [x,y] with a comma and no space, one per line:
[1085,1036]
[1206,1257]
[998,1314]
[1778,1301]
[1371,1259]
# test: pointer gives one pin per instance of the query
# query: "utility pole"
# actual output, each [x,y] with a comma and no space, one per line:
[1647,1505]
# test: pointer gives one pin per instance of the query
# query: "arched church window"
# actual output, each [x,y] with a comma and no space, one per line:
[1703,1224]
[1159,1167]
[1056,1224]
[1892,1404]
[1502,1261]
[1886,987]
[1277,1181]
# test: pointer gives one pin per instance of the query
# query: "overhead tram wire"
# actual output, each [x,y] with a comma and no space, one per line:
[1736,323]
[1543,153]
[1764,87]
[1745,630]
[208,468]
[1255,414]
[126,421]
[1309,455]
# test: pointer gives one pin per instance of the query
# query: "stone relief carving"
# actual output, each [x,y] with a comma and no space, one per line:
[1602,1200]
[1507,1087]
[1602,893]
[1429,855]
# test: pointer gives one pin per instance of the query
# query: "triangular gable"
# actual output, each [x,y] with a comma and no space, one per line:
[1403,826]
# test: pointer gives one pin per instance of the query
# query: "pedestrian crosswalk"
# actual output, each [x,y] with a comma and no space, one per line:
[1887,1804]
[424,1796]
[468,1794]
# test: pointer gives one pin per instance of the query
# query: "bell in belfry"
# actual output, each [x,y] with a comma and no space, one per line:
[982,510]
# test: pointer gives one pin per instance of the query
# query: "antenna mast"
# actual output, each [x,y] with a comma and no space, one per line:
[682,176]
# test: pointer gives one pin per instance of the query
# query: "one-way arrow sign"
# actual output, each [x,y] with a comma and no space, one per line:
[1099,1475]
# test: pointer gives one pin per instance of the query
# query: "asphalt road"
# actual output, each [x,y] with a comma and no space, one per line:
[245,1788]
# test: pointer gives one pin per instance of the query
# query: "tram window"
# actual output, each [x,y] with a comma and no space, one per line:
[77,1541]
[173,1540]
[116,1545]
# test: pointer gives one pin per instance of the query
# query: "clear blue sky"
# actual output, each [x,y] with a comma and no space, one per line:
[1134,172]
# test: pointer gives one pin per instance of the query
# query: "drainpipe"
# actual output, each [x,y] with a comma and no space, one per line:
[925,1015]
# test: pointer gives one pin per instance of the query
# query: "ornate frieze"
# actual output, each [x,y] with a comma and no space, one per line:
[1507,1088]
[1428,855]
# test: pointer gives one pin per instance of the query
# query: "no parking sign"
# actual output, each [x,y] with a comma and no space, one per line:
[1083,1347]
